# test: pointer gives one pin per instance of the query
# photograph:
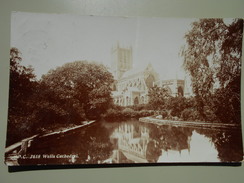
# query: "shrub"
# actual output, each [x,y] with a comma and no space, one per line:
[140,107]
[164,114]
[144,113]
[210,116]
[186,114]
[126,113]
[190,114]
[129,113]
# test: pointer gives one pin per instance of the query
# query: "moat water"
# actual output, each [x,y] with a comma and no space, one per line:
[135,142]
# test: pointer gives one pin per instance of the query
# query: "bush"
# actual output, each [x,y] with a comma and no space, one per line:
[140,107]
[144,113]
[190,114]
[111,114]
[186,114]
[126,113]
[164,114]
[210,116]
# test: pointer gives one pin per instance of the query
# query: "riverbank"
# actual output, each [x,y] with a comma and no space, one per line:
[17,146]
[186,123]
[63,130]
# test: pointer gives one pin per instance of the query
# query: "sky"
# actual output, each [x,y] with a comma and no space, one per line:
[50,40]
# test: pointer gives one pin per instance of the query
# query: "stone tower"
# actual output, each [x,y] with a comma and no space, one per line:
[121,60]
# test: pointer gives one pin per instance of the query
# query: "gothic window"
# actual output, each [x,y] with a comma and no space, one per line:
[136,101]
[122,102]
[149,81]
[145,99]
[180,91]
[169,90]
[142,100]
[127,101]
[114,88]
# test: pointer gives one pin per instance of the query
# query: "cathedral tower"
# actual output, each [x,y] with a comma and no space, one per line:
[121,60]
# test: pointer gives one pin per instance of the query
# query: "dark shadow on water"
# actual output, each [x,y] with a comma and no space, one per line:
[13,169]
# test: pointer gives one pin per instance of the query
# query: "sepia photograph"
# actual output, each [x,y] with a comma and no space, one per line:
[93,90]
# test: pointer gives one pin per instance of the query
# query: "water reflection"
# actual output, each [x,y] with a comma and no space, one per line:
[131,143]
[200,149]
[227,142]
[136,142]
[89,145]
[142,143]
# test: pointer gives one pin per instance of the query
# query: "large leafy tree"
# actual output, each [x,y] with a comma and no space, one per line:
[158,97]
[80,87]
[22,81]
[177,105]
[212,57]
[21,88]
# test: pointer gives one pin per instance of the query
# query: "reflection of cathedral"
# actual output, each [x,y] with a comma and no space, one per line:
[132,85]
[131,144]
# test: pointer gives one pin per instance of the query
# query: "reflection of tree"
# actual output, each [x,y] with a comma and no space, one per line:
[227,142]
[91,144]
[170,137]
[153,152]
[99,142]
[99,146]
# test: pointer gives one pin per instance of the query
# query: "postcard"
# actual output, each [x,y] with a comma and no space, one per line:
[92,90]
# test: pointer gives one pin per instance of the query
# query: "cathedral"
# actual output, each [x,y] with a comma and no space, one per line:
[132,85]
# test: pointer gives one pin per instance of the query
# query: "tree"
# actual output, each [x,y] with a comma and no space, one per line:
[158,97]
[212,57]
[22,81]
[82,86]
[176,105]
[21,87]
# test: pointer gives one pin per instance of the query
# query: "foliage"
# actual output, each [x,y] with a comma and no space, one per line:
[190,115]
[176,105]
[158,97]
[129,113]
[140,107]
[66,95]
[51,110]
[164,114]
[227,102]
[81,85]
[22,85]
[212,57]
[115,114]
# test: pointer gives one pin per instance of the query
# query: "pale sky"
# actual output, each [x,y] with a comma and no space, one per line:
[50,40]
